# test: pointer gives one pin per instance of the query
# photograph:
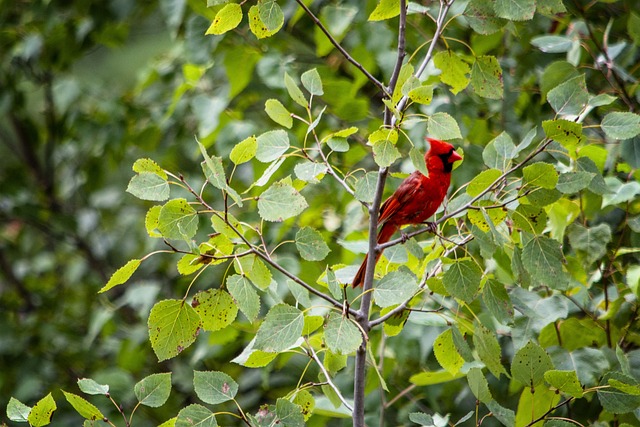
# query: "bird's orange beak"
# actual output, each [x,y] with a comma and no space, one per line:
[454,157]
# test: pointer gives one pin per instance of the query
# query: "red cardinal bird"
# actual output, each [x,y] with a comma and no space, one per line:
[417,198]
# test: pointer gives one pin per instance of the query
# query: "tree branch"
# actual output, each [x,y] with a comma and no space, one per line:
[342,50]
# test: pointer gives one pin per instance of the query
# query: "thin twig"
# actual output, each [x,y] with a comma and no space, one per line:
[311,352]
[445,5]
[393,81]
[338,46]
[543,416]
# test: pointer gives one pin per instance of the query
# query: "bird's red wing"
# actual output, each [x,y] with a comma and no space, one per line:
[399,199]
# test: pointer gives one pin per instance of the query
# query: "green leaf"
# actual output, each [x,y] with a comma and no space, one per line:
[443,126]
[621,125]
[255,270]
[309,171]
[542,197]
[307,403]
[632,389]
[486,77]
[482,181]
[177,220]
[559,71]
[289,414]
[565,381]
[311,245]
[334,362]
[312,82]
[86,410]
[42,412]
[173,326]
[482,18]
[499,152]
[385,9]
[254,358]
[311,323]
[366,187]
[530,364]
[542,258]
[385,153]
[214,387]
[562,131]
[332,283]
[486,219]
[615,400]
[497,301]
[280,330]
[630,152]
[515,10]
[395,288]
[591,241]
[149,186]
[256,25]
[394,325]
[214,171]
[341,335]
[550,7]
[196,415]
[534,404]
[89,386]
[216,309]
[171,422]
[462,279]
[570,97]
[433,377]
[278,113]
[446,353]
[540,174]
[454,72]
[417,159]
[148,165]
[479,385]
[272,145]
[154,390]
[226,19]
[532,219]
[17,411]
[488,349]
[421,94]
[271,15]
[619,192]
[121,275]
[633,27]
[300,294]
[151,221]
[279,202]
[506,416]
[294,91]
[245,296]
[572,182]
[422,419]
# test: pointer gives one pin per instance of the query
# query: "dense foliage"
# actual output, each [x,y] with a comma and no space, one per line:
[216,288]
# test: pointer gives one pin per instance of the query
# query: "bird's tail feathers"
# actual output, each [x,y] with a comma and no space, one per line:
[383,236]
